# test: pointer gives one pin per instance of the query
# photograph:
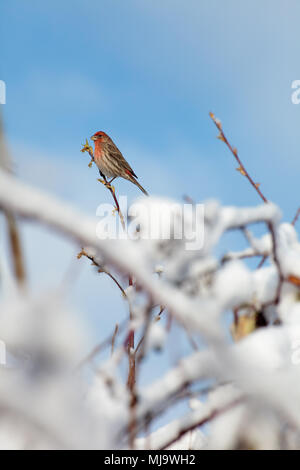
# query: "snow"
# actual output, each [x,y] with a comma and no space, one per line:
[156,337]
[233,285]
[251,387]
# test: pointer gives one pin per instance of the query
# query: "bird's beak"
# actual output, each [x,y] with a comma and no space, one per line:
[93,137]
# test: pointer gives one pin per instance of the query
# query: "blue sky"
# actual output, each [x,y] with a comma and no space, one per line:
[148,73]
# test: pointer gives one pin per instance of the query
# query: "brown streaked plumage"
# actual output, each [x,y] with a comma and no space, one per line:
[110,160]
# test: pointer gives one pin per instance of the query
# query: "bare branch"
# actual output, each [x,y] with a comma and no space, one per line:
[101,269]
[114,338]
[234,152]
[13,231]
[100,347]
[195,420]
[296,217]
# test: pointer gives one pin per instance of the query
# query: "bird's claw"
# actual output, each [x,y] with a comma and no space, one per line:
[109,186]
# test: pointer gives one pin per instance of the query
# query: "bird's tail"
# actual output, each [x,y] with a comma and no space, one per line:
[133,180]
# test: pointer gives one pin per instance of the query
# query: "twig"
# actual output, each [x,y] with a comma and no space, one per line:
[131,372]
[239,255]
[131,380]
[143,336]
[12,228]
[262,261]
[162,309]
[193,425]
[234,152]
[188,199]
[277,263]
[193,343]
[114,338]
[87,148]
[104,344]
[244,172]
[101,270]
[16,248]
[130,342]
[139,345]
[131,384]
[296,217]
[142,342]
[130,350]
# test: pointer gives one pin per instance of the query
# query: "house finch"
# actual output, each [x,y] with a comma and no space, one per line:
[110,161]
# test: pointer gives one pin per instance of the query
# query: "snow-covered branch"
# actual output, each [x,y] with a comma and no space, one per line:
[192,287]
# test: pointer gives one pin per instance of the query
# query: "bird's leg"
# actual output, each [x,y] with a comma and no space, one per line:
[109,182]
[103,181]
[103,176]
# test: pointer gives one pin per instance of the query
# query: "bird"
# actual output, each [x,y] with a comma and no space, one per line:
[111,162]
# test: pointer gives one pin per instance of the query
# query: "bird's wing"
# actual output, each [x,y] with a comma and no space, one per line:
[115,153]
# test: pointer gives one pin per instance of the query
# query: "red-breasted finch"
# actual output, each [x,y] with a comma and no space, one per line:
[110,161]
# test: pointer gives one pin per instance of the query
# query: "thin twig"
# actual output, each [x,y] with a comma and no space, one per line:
[238,255]
[87,148]
[131,355]
[16,248]
[296,217]
[162,309]
[210,416]
[101,269]
[143,336]
[12,227]
[104,344]
[130,346]
[132,374]
[262,261]
[234,152]
[142,342]
[139,345]
[114,338]
[277,263]
[244,172]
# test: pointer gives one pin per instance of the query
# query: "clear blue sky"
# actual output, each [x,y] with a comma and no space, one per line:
[148,73]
